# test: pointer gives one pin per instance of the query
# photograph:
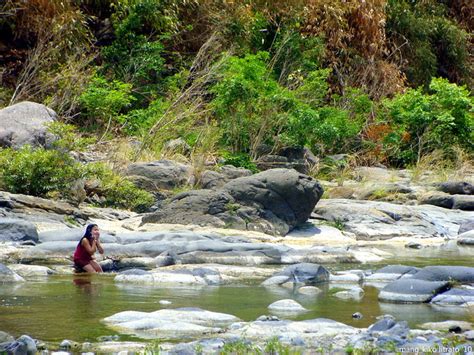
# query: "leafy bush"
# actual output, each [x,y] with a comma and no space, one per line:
[104,100]
[425,122]
[117,190]
[246,100]
[141,120]
[38,171]
[240,160]
[135,56]
[428,42]
[67,137]
[48,173]
[122,193]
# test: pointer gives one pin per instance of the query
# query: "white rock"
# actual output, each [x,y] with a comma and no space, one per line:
[355,293]
[309,290]
[30,270]
[287,305]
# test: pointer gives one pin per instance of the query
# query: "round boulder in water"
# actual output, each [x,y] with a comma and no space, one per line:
[287,306]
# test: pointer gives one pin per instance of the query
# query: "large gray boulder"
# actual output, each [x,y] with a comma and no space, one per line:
[273,202]
[214,179]
[26,123]
[161,174]
[17,230]
[412,291]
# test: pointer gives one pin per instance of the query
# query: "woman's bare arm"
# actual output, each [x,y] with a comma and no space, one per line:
[99,247]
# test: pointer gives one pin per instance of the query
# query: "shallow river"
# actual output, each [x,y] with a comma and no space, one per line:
[72,307]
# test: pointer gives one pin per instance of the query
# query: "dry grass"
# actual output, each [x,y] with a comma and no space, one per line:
[435,167]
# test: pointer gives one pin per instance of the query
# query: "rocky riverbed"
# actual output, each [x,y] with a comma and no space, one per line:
[257,230]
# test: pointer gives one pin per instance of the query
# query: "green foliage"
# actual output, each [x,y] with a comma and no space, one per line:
[37,172]
[141,120]
[118,191]
[253,111]
[425,122]
[297,59]
[47,173]
[429,42]
[153,347]
[240,347]
[239,160]
[242,97]
[121,193]
[274,346]
[136,54]
[337,132]
[104,100]
[314,88]
[67,137]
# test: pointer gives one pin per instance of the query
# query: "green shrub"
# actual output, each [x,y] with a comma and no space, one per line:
[428,42]
[241,98]
[425,122]
[141,120]
[37,172]
[104,100]
[135,55]
[67,137]
[117,190]
[239,160]
[52,173]
[122,193]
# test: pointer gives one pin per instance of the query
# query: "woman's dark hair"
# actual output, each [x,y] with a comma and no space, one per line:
[88,232]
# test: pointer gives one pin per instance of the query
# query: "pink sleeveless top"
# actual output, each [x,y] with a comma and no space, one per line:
[81,256]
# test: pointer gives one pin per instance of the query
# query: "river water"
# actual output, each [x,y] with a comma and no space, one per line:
[72,306]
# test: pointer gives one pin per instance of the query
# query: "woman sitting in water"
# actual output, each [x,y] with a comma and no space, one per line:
[86,248]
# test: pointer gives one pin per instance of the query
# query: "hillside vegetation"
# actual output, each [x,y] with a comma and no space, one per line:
[388,81]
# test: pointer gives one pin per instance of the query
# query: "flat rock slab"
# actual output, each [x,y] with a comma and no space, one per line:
[461,274]
[314,330]
[371,220]
[306,273]
[447,325]
[170,323]
[355,293]
[31,270]
[466,238]
[72,234]
[455,296]
[196,276]
[391,272]
[412,291]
